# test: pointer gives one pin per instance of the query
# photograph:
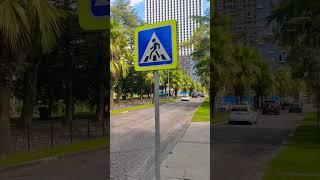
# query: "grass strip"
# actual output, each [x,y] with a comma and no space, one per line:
[23,157]
[202,114]
[299,159]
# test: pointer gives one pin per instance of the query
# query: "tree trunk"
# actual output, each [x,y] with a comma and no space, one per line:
[69,92]
[5,81]
[141,93]
[100,99]
[5,137]
[30,90]
[119,92]
[102,73]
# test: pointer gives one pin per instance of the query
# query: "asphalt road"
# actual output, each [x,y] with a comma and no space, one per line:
[242,151]
[131,153]
[132,137]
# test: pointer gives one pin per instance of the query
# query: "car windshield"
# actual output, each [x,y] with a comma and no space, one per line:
[240,108]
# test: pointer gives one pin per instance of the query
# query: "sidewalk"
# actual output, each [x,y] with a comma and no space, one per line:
[190,159]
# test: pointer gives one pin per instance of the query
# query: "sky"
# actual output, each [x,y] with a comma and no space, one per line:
[138,5]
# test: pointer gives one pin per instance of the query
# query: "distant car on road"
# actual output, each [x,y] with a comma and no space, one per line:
[271,107]
[295,108]
[185,98]
[285,105]
[201,95]
[242,113]
[195,95]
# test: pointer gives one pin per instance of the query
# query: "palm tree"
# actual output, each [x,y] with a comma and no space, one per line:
[245,70]
[46,28]
[282,81]
[176,81]
[21,22]
[120,55]
[14,35]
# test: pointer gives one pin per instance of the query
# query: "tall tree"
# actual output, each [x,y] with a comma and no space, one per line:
[120,55]
[46,27]
[15,38]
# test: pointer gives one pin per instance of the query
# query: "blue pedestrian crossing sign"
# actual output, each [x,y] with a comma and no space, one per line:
[156,46]
[94,14]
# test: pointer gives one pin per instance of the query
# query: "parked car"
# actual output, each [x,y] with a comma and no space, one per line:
[185,98]
[271,107]
[285,105]
[201,95]
[295,108]
[195,95]
[242,113]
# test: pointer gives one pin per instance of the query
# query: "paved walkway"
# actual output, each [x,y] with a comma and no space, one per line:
[190,157]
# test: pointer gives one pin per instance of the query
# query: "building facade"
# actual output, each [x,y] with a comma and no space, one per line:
[243,14]
[265,42]
[181,11]
[249,25]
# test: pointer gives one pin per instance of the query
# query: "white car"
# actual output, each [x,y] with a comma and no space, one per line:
[242,113]
[185,98]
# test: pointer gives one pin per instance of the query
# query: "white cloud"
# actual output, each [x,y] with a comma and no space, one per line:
[135,2]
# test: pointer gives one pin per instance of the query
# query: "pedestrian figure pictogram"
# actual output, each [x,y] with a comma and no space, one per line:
[154,51]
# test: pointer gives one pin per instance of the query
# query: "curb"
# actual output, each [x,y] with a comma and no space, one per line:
[49,159]
[150,173]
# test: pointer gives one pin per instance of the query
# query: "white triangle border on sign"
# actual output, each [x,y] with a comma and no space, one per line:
[162,53]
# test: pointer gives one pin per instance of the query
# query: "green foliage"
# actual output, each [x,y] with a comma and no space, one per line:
[24,157]
[14,25]
[202,114]
[236,66]
[299,159]
[299,22]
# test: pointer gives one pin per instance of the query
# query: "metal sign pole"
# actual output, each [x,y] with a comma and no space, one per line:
[157,123]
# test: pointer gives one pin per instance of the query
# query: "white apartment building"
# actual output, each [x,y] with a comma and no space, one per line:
[182,11]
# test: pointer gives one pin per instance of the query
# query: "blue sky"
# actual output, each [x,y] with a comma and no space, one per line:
[139,6]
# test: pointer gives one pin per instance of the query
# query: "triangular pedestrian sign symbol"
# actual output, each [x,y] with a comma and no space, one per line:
[155,51]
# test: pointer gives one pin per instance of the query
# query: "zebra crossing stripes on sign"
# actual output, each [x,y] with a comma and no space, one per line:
[156,46]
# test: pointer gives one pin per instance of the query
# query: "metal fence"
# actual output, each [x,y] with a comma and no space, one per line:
[134,102]
[44,135]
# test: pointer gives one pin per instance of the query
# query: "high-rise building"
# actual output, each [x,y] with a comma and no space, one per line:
[182,11]
[265,38]
[249,25]
[243,14]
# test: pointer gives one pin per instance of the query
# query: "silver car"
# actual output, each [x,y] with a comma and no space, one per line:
[242,113]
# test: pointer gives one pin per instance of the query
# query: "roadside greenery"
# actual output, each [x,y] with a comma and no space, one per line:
[50,66]
[298,33]
[24,157]
[202,114]
[298,159]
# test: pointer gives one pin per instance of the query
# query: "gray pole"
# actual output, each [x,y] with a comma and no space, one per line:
[157,123]
[168,85]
